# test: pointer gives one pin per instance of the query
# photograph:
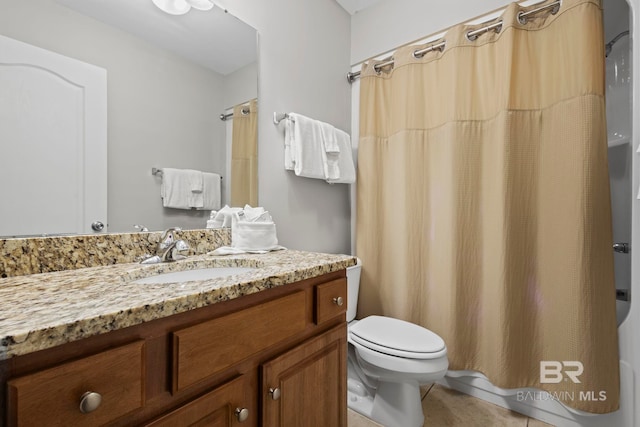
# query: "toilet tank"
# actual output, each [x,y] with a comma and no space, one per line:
[353,287]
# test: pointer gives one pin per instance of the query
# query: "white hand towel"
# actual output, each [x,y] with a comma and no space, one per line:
[345,160]
[176,188]
[210,191]
[196,179]
[289,144]
[331,152]
[307,147]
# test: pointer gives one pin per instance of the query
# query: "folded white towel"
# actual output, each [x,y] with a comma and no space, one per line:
[176,188]
[331,152]
[308,148]
[347,170]
[196,198]
[210,191]
[252,229]
[197,180]
[289,144]
[222,218]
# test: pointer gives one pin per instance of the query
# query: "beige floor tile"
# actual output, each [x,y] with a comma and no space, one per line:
[444,407]
[537,423]
[354,419]
[424,390]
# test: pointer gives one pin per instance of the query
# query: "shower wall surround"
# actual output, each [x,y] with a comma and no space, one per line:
[19,257]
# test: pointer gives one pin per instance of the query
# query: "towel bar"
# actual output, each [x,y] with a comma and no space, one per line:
[278,117]
[158,172]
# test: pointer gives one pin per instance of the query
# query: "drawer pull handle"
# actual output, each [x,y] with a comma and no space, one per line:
[338,301]
[275,393]
[90,401]
[242,414]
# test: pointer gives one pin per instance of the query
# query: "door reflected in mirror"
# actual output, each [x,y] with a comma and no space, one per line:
[168,79]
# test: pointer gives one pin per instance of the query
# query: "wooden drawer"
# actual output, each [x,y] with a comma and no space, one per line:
[227,405]
[331,300]
[52,397]
[209,347]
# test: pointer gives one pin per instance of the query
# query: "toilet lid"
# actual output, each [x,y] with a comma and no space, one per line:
[396,337]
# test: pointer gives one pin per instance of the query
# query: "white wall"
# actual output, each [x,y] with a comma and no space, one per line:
[303,59]
[241,85]
[162,110]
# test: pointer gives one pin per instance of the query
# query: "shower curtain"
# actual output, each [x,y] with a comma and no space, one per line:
[244,155]
[483,202]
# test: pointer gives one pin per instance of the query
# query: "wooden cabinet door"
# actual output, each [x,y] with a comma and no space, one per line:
[231,404]
[306,386]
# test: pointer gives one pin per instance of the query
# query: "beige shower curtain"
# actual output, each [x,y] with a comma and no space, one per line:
[244,155]
[483,202]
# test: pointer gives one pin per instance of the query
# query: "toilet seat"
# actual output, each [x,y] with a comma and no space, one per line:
[397,338]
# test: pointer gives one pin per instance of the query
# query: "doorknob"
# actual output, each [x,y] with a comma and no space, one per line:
[621,247]
[97,226]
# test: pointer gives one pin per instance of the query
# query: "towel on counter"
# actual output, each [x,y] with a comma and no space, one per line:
[252,231]
[190,189]
[222,218]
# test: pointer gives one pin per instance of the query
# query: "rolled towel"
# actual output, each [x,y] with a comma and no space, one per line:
[253,233]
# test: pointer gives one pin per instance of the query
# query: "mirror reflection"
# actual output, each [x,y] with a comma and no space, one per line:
[166,80]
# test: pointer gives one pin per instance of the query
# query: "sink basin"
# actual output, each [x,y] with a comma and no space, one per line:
[190,275]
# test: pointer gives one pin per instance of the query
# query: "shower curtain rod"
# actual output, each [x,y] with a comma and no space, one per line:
[471,35]
[225,117]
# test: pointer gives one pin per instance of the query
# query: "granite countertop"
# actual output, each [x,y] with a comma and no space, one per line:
[40,311]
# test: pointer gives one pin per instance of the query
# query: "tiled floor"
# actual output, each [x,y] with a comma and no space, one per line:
[444,407]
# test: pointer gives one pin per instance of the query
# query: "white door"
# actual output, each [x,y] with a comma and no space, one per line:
[53,142]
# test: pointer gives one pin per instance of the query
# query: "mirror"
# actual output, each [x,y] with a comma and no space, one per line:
[168,80]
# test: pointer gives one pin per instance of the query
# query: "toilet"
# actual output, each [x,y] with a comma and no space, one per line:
[388,360]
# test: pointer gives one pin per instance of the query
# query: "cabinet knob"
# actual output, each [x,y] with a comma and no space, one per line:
[338,301]
[275,393]
[90,401]
[242,414]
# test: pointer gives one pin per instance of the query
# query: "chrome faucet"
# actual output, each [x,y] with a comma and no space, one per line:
[170,249]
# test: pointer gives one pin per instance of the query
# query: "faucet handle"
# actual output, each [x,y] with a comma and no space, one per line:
[166,238]
[174,251]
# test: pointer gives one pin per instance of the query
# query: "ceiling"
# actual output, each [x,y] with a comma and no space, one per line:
[355,6]
[213,39]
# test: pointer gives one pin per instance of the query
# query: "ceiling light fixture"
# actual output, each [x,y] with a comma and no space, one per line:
[180,7]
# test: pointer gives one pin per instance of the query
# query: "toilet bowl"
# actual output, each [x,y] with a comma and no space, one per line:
[388,360]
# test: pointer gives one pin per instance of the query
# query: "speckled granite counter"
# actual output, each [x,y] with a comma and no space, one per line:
[40,311]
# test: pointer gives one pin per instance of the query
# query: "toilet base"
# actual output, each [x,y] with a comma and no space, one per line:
[392,405]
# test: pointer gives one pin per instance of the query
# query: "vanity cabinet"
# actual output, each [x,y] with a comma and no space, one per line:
[90,391]
[305,386]
[273,358]
[224,406]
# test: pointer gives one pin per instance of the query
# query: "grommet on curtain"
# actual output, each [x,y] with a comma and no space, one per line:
[420,53]
[378,67]
[473,35]
[522,16]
